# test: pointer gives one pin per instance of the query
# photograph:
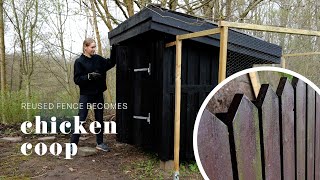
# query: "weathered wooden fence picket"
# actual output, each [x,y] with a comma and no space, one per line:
[275,137]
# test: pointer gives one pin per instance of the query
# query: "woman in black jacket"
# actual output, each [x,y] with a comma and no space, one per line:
[90,75]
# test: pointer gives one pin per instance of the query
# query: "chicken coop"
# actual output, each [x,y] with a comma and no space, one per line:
[145,75]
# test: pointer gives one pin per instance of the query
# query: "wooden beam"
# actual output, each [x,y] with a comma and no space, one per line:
[301,54]
[268,28]
[177,106]
[283,62]
[171,44]
[255,83]
[223,54]
[199,34]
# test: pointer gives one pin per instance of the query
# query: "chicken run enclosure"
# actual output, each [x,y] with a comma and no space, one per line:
[145,77]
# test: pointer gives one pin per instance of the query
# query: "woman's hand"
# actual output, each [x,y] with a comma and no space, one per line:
[94,76]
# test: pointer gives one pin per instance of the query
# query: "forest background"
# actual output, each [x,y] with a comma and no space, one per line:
[40,40]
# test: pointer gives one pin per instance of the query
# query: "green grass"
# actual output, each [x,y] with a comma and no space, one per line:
[145,169]
[149,168]
[188,168]
[194,167]
[12,109]
[290,77]
[15,114]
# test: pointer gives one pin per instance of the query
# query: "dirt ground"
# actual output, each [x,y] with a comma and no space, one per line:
[123,162]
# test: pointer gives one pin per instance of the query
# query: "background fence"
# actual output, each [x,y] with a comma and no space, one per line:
[276,136]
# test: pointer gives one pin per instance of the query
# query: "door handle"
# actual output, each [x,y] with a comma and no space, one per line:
[143,118]
[148,69]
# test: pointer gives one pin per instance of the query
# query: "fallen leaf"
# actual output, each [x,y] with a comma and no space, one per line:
[71,169]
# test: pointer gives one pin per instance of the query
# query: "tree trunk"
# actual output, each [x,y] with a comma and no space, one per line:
[96,29]
[216,11]
[61,39]
[28,94]
[98,38]
[20,75]
[11,70]
[250,7]
[228,10]
[129,5]
[2,51]
[3,61]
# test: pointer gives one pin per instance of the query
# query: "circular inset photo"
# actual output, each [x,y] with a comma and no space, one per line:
[261,123]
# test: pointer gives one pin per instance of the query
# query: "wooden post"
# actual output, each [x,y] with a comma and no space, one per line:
[255,82]
[177,108]
[223,53]
[283,62]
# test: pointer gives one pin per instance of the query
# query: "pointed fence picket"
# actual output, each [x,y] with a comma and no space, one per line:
[275,137]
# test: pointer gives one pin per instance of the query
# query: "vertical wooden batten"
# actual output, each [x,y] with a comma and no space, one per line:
[177,105]
[223,53]
[255,82]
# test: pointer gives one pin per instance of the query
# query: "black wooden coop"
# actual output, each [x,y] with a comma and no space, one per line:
[146,75]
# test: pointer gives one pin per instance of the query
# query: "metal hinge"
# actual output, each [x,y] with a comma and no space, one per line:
[144,69]
[143,118]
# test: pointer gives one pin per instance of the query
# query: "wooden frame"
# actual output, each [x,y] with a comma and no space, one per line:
[268,28]
[199,34]
[171,44]
[301,54]
[223,30]
[283,58]
[255,82]
[283,62]
[223,54]
[178,44]
[177,105]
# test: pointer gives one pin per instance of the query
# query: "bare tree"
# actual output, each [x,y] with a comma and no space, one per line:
[3,60]
[96,29]
[253,4]
[2,51]
[25,26]
[105,14]
[57,23]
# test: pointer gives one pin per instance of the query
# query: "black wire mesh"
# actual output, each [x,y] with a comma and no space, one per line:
[248,57]
[237,62]
[306,65]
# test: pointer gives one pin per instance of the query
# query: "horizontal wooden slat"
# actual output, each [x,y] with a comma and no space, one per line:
[199,34]
[269,28]
[301,54]
[171,44]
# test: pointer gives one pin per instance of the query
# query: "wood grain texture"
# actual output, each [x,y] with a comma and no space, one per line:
[286,101]
[213,147]
[245,123]
[310,132]
[300,120]
[268,105]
